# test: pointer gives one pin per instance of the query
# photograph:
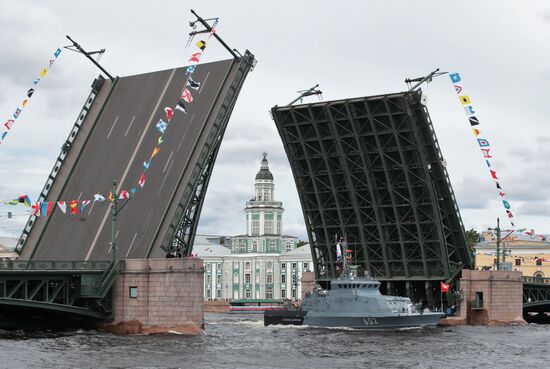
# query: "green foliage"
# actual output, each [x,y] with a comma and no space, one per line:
[472,237]
[301,243]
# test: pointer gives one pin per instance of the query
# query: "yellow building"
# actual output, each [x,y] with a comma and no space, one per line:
[528,253]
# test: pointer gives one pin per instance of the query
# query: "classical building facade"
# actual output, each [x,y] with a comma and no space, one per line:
[262,264]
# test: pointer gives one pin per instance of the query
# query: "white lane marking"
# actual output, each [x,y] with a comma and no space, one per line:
[164,179]
[91,207]
[79,196]
[204,82]
[185,133]
[131,243]
[116,120]
[167,161]
[129,126]
[130,162]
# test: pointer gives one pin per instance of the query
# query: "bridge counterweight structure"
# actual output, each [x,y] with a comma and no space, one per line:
[370,169]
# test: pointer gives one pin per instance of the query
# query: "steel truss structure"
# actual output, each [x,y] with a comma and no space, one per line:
[178,241]
[370,169]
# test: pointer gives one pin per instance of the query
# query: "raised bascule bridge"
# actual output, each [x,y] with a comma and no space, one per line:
[370,170]
[66,266]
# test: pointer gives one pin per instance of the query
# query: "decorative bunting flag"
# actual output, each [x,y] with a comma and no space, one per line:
[190,69]
[9,123]
[83,204]
[124,195]
[30,92]
[141,180]
[133,190]
[24,102]
[195,57]
[146,164]
[186,96]
[161,126]
[12,202]
[46,208]
[160,140]
[62,206]
[483,143]
[169,113]
[181,106]
[201,45]
[194,85]
[25,200]
[74,207]
[155,152]
[99,197]
[36,208]
[17,112]
[110,197]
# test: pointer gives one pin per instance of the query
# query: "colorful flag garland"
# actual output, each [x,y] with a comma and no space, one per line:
[483,143]
[45,208]
[8,124]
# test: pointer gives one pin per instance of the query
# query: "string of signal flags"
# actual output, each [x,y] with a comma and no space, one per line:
[76,207]
[10,122]
[482,141]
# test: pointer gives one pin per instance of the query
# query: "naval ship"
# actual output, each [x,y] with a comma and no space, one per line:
[354,302]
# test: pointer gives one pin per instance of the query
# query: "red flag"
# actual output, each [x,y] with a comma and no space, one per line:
[142,180]
[195,57]
[444,287]
[493,174]
[186,96]
[36,208]
[169,113]
[124,195]
[74,207]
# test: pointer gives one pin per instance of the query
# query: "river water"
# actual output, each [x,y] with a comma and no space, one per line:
[241,341]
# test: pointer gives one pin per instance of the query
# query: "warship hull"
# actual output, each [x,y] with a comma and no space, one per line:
[300,317]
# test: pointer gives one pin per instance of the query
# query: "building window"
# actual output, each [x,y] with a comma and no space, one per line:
[219,279]
[294,294]
[283,278]
[133,292]
[306,266]
[219,293]
[268,223]
[219,267]
[518,262]
[247,265]
[272,245]
[269,278]
[247,278]
[269,293]
[247,294]
[255,224]
[294,266]
[283,266]
[283,294]
[269,265]
[539,261]
[208,266]
[208,294]
[208,279]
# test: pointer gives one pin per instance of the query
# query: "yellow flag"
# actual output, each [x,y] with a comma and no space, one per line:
[25,102]
[155,152]
[44,72]
[465,100]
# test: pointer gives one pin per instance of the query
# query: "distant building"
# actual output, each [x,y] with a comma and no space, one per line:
[262,264]
[525,251]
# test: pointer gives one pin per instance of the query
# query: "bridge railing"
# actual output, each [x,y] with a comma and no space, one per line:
[540,280]
[53,266]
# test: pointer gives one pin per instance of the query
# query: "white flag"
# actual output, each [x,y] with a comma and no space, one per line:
[63,206]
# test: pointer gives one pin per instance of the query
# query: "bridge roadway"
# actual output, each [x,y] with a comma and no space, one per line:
[121,140]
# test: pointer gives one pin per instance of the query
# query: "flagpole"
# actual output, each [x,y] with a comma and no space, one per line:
[441,296]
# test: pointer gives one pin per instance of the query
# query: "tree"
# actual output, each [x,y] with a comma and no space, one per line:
[472,237]
[301,243]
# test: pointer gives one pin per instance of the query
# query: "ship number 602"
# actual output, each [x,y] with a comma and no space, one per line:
[370,321]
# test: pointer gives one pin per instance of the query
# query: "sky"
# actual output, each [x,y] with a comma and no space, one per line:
[351,48]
